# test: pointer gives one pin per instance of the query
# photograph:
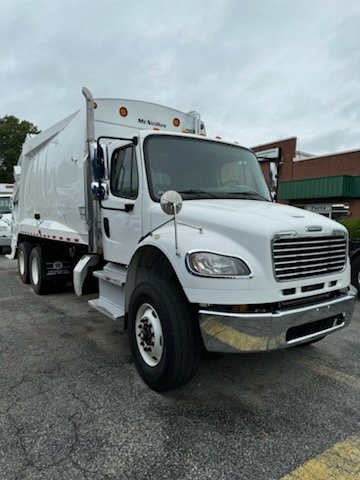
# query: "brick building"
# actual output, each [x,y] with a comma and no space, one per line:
[327,184]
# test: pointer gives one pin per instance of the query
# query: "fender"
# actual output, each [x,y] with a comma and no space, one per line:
[161,243]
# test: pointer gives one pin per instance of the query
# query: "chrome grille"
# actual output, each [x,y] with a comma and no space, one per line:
[295,258]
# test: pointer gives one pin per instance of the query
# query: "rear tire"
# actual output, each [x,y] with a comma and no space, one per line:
[24,251]
[38,280]
[163,335]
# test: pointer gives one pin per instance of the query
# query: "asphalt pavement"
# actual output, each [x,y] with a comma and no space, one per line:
[72,405]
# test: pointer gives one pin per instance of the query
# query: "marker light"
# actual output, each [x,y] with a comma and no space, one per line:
[123,111]
[176,122]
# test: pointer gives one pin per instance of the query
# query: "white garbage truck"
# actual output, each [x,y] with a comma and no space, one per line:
[181,234]
[6,191]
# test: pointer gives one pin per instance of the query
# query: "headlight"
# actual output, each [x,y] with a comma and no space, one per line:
[210,264]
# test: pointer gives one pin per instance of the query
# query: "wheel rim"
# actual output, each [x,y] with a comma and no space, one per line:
[149,335]
[21,263]
[35,271]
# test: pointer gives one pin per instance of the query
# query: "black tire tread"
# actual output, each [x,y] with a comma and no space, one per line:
[185,333]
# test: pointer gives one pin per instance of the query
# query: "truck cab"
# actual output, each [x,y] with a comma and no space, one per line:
[256,275]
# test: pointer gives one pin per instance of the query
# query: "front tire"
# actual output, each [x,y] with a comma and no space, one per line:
[163,335]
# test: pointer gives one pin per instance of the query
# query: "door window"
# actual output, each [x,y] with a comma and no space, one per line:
[124,180]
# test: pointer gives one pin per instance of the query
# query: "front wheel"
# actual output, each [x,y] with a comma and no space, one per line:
[163,335]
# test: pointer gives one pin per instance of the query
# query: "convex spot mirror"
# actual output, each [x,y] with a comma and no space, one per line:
[171,202]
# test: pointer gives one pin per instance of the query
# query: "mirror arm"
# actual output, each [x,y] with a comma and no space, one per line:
[176,235]
[154,229]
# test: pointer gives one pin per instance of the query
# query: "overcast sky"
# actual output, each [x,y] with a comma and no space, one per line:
[256,70]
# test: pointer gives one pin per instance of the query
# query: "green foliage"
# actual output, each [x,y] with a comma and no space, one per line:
[352,225]
[12,136]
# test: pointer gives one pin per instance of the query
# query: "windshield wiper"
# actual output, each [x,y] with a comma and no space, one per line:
[199,193]
[252,194]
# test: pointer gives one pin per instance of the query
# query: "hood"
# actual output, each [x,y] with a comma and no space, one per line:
[252,217]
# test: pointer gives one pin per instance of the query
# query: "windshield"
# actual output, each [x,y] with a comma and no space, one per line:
[199,168]
[5,206]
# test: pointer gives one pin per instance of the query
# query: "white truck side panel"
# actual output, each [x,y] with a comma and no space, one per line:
[52,182]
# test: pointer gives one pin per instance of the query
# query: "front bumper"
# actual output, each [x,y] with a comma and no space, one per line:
[260,332]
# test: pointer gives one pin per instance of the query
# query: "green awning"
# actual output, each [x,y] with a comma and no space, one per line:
[339,186]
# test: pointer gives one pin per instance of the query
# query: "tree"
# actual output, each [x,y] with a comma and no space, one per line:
[12,136]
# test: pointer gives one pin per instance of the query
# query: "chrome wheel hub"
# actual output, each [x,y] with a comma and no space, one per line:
[149,335]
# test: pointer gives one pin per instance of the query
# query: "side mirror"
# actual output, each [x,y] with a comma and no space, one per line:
[100,190]
[171,202]
[93,151]
[97,161]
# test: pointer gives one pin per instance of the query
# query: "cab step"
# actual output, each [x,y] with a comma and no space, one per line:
[111,301]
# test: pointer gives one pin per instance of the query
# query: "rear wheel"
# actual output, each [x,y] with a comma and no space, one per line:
[38,280]
[24,251]
[163,335]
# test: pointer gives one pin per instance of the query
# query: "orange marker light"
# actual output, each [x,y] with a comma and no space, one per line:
[176,122]
[123,111]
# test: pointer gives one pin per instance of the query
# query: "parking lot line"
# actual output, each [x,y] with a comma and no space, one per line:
[332,373]
[340,462]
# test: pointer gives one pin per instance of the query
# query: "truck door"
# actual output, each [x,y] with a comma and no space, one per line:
[121,211]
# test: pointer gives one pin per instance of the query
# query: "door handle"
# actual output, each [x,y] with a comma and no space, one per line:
[106,227]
